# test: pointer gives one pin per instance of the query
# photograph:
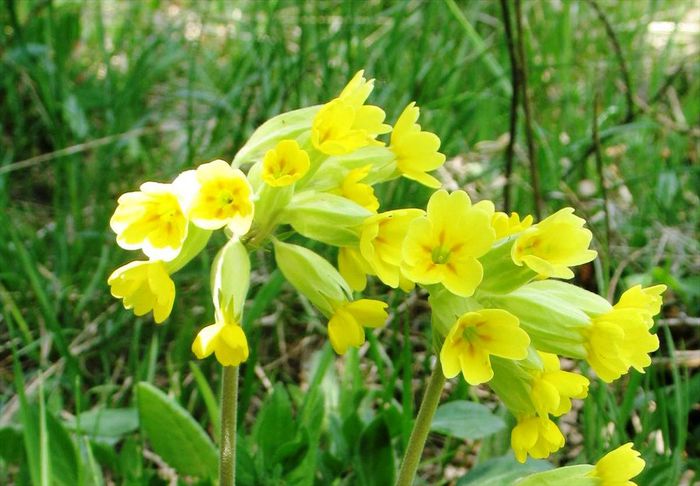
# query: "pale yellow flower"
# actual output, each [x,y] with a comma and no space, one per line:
[416,151]
[285,164]
[618,467]
[345,327]
[536,436]
[150,220]
[144,287]
[475,337]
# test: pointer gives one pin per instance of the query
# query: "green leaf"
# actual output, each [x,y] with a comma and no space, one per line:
[174,434]
[107,423]
[466,420]
[570,476]
[502,471]
[375,454]
[274,424]
[11,444]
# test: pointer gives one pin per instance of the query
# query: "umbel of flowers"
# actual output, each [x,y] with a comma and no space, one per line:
[502,311]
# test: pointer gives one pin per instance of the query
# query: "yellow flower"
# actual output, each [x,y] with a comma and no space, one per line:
[416,151]
[536,436]
[620,338]
[359,192]
[617,467]
[353,267]
[217,195]
[150,220]
[381,242]
[553,245]
[226,339]
[346,124]
[285,164]
[505,225]
[345,327]
[144,287]
[552,389]
[477,335]
[443,246]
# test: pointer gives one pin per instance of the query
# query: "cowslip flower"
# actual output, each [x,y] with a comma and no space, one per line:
[416,151]
[553,245]
[552,388]
[217,195]
[346,124]
[363,194]
[381,243]
[618,467]
[225,338]
[150,220]
[285,164]
[353,267]
[620,339]
[144,286]
[536,436]
[443,246]
[477,335]
[505,225]
[346,325]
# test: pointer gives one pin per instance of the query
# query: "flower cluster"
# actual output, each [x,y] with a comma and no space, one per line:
[501,312]
[313,170]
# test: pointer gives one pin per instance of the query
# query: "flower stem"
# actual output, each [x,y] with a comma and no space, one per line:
[421,428]
[229,406]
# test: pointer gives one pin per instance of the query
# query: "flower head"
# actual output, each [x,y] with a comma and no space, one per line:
[555,244]
[144,287]
[505,225]
[617,467]
[345,327]
[381,242]
[217,195]
[620,339]
[552,389]
[150,220]
[285,164]
[416,151]
[536,436]
[226,340]
[359,192]
[443,246]
[353,267]
[346,124]
[477,335]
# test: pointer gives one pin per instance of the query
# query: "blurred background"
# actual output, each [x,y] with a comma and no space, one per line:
[98,96]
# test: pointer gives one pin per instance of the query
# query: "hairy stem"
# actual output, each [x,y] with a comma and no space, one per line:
[229,409]
[421,428]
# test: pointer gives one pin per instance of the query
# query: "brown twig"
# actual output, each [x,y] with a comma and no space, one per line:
[603,187]
[515,82]
[529,136]
[612,36]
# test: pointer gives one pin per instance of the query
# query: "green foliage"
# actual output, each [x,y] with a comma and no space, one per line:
[466,420]
[98,97]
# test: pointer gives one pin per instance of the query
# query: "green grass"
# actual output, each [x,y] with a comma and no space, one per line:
[99,96]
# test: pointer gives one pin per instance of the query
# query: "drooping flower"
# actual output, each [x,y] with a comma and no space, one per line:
[144,286]
[618,467]
[381,243]
[416,151]
[552,388]
[150,220]
[620,339]
[345,327]
[285,164]
[226,340]
[346,124]
[353,267]
[536,436]
[443,246]
[552,246]
[217,195]
[363,194]
[505,225]
[477,335]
